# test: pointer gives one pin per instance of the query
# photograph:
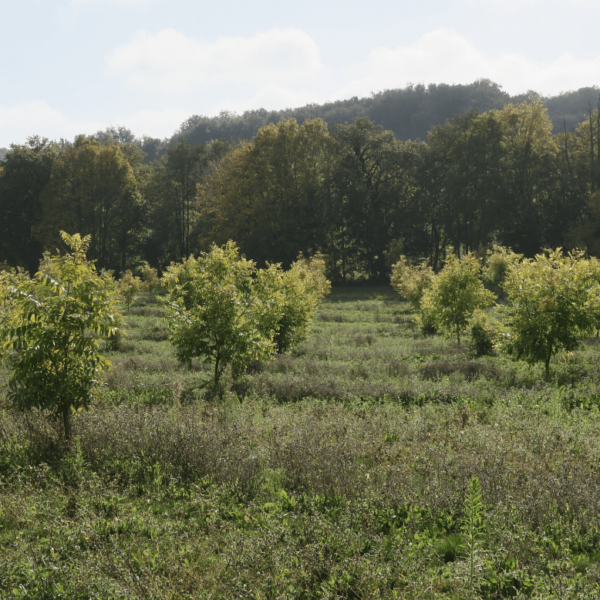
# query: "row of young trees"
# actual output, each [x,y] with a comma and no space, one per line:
[221,309]
[550,302]
[354,193]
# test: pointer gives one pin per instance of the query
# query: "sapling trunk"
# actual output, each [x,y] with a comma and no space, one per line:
[66,415]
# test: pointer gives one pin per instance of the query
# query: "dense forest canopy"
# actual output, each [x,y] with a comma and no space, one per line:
[361,181]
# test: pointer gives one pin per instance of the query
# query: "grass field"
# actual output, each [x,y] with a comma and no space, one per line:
[338,471]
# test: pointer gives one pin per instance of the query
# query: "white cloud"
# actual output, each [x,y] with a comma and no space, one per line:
[17,123]
[155,123]
[546,3]
[172,62]
[38,118]
[78,3]
[445,56]
[270,97]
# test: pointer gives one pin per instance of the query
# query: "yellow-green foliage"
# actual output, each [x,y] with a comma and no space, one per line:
[129,286]
[149,277]
[483,333]
[454,295]
[498,260]
[225,310]
[46,335]
[592,304]
[411,281]
[550,302]
[222,309]
[304,286]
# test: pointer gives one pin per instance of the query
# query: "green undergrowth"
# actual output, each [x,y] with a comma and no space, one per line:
[343,470]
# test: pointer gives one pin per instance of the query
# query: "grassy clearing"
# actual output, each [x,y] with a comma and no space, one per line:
[342,473]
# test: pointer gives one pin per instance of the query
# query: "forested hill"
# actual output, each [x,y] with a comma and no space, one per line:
[410,113]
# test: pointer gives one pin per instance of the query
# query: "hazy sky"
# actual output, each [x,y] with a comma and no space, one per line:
[75,66]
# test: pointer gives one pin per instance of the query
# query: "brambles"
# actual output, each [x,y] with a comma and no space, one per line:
[52,333]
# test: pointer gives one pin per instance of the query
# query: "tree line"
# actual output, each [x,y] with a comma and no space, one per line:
[354,192]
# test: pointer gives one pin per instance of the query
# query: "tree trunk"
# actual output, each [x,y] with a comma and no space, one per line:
[217,373]
[66,415]
[548,365]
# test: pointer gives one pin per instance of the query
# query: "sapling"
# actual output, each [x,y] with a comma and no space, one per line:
[473,523]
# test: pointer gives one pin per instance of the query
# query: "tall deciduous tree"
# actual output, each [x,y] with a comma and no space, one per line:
[466,153]
[530,178]
[93,189]
[269,194]
[171,193]
[23,176]
[371,182]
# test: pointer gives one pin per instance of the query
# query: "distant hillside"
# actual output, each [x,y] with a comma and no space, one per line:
[409,112]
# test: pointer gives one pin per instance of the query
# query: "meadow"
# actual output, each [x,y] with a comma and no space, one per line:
[337,471]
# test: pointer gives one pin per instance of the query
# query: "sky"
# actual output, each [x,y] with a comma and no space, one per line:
[77,66]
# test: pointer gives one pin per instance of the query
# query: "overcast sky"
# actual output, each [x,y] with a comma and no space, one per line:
[75,66]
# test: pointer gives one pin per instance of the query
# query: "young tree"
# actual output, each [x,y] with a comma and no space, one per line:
[304,286]
[149,277]
[410,281]
[223,310]
[455,293]
[129,286]
[498,260]
[592,304]
[546,310]
[51,336]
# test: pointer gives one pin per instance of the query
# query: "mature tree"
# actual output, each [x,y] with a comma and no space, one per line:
[466,153]
[530,177]
[269,194]
[23,176]
[54,357]
[547,306]
[586,234]
[371,183]
[171,193]
[93,189]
